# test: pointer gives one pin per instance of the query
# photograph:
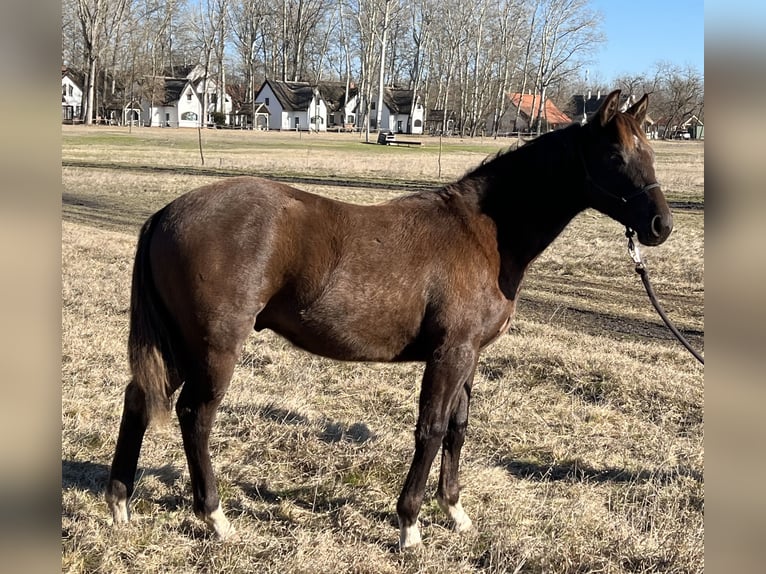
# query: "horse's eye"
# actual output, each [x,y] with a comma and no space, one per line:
[616,160]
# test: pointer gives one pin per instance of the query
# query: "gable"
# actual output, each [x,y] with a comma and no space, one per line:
[398,100]
[551,113]
[292,96]
[334,95]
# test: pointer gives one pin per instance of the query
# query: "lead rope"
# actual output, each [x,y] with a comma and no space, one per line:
[641,270]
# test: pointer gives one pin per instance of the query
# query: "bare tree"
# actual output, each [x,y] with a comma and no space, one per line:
[98,19]
[460,57]
[247,23]
[569,31]
[681,94]
[509,24]
[384,33]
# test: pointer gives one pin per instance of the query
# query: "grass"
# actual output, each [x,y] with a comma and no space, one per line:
[585,444]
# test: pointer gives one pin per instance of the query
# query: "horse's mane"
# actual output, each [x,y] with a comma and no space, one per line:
[491,161]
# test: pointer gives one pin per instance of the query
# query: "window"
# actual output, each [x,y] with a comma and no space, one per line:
[189,117]
[372,105]
[267,101]
[418,123]
[188,96]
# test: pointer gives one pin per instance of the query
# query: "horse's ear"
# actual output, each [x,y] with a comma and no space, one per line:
[638,110]
[609,108]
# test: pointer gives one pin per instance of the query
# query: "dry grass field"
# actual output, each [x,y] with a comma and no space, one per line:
[585,443]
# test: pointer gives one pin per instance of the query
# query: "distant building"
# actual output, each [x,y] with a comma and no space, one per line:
[178,101]
[402,112]
[293,105]
[71,95]
[528,106]
[323,106]
[584,106]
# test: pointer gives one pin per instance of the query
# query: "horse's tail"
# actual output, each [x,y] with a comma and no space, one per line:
[149,351]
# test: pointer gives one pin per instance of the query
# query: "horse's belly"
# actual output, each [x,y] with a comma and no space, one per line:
[348,336]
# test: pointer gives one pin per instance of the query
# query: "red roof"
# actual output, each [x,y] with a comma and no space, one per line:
[550,112]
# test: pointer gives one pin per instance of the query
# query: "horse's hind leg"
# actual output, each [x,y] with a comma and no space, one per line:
[131,435]
[448,495]
[197,403]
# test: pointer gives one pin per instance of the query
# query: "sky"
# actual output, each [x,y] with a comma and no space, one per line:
[640,33]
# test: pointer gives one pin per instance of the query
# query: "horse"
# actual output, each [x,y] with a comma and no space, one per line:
[431,277]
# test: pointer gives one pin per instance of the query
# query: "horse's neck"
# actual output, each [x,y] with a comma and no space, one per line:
[531,195]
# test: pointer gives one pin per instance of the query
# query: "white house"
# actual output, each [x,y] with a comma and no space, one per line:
[303,106]
[177,102]
[402,112]
[71,96]
[341,110]
[293,105]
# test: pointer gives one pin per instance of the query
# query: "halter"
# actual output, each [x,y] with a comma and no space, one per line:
[625,199]
[597,186]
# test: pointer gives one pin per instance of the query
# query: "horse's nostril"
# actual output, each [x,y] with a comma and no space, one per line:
[657,227]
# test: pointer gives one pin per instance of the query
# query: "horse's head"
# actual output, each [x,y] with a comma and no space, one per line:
[619,171]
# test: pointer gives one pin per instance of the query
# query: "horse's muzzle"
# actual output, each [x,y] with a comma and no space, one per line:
[659,229]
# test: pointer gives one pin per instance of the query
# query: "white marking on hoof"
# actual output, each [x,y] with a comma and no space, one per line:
[220,524]
[119,511]
[462,522]
[409,536]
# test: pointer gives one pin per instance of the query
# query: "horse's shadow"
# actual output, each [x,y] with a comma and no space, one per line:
[330,431]
[92,476]
[575,470]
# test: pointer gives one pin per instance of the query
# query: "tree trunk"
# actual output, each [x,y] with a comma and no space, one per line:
[379,110]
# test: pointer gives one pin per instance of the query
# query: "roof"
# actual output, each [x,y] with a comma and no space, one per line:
[173,89]
[188,71]
[334,94]
[75,76]
[246,109]
[398,100]
[590,104]
[294,96]
[551,113]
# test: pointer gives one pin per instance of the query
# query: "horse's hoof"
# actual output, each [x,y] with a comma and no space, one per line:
[462,523]
[218,522]
[119,511]
[409,537]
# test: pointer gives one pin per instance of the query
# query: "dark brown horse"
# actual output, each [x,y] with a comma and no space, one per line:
[430,277]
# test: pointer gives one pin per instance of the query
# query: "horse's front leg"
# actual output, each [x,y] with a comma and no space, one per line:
[448,494]
[196,409]
[444,378]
